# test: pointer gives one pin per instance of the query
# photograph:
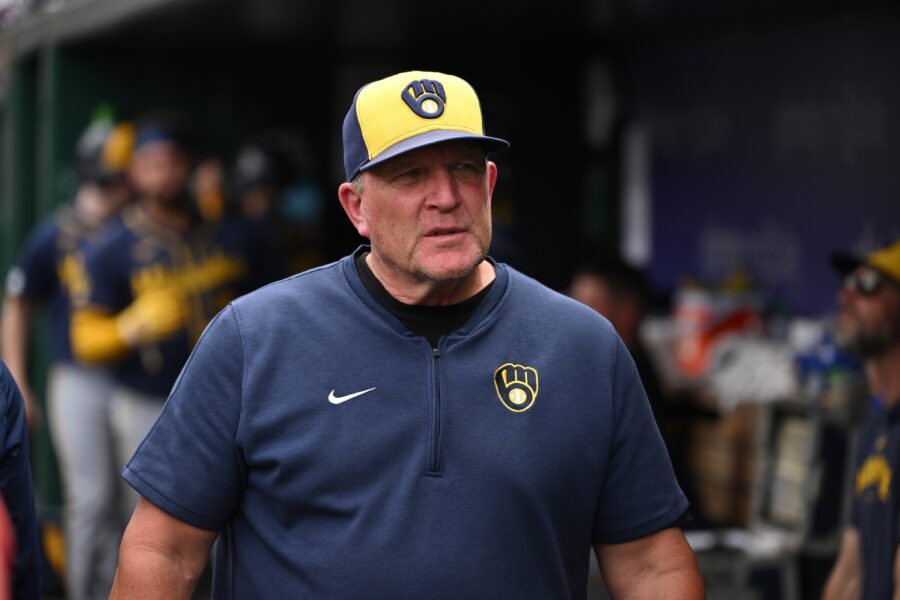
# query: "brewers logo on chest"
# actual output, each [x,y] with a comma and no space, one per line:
[516,385]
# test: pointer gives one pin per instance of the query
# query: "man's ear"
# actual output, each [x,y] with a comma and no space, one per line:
[492,178]
[352,203]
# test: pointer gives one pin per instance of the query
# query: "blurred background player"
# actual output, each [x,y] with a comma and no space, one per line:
[77,396]
[621,293]
[154,281]
[868,565]
[43,272]
[271,188]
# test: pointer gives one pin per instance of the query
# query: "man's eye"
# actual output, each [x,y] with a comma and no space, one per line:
[466,166]
[410,174]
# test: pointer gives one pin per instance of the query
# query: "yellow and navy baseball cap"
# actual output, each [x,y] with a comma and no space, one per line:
[885,259]
[403,112]
[103,153]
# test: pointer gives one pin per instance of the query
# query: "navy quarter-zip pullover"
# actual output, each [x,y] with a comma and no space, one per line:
[342,456]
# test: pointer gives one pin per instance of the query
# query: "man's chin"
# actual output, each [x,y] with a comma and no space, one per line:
[451,268]
[173,198]
[446,275]
[863,346]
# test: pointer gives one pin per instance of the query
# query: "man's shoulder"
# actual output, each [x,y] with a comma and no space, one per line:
[529,287]
[228,230]
[533,295]
[309,286]
[9,396]
[43,235]
[114,241]
[116,231]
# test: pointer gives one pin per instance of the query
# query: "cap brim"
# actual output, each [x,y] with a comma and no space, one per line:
[430,138]
[844,263]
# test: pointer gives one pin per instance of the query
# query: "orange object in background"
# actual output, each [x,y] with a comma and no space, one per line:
[701,319]
[693,313]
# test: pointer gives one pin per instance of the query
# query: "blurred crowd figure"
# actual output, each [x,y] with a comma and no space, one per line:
[868,565]
[150,246]
[621,293]
[269,186]
[152,283]
[47,274]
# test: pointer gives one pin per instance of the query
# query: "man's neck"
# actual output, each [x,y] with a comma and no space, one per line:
[171,215]
[883,374]
[432,293]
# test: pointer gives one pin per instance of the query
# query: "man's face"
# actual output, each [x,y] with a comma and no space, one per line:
[100,202]
[427,213]
[869,324]
[623,310]
[160,170]
[593,292]
[113,197]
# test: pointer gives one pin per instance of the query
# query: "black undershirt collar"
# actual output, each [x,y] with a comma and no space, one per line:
[430,322]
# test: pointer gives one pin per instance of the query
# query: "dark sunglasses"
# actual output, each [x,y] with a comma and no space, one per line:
[864,282]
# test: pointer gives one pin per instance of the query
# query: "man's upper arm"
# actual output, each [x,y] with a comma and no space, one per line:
[15,329]
[190,464]
[640,495]
[661,565]
[35,275]
[160,555]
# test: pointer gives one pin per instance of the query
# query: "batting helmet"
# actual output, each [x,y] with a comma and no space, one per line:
[103,152]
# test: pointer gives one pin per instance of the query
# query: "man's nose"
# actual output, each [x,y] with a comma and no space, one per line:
[442,193]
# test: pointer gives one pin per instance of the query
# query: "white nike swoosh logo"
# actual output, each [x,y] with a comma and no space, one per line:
[338,399]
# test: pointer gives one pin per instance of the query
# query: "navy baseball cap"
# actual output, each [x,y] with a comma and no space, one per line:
[164,126]
[407,111]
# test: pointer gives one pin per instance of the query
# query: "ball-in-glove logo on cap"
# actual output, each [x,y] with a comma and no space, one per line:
[516,385]
[426,97]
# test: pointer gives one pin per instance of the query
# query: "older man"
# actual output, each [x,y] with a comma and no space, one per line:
[415,420]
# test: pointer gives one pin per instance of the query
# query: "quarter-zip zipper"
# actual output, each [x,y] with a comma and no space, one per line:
[434,467]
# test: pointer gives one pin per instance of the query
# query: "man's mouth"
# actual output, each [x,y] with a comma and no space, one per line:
[444,231]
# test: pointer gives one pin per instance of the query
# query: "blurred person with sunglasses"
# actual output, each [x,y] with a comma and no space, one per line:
[46,274]
[868,565]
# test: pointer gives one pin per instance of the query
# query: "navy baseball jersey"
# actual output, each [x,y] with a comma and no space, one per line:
[47,272]
[342,456]
[875,500]
[208,265]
